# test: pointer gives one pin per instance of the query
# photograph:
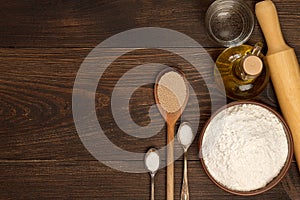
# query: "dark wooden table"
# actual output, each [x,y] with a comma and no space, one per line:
[42,45]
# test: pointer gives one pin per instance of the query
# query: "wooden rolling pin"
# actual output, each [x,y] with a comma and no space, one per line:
[284,69]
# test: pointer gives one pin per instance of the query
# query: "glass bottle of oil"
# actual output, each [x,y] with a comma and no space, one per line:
[241,71]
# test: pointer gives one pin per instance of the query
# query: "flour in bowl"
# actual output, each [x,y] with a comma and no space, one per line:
[244,147]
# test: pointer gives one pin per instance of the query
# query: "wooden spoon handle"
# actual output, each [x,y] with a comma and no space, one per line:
[170,161]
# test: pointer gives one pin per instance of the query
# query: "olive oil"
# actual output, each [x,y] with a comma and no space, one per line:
[241,71]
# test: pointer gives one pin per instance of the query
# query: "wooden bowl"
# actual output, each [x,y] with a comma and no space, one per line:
[284,169]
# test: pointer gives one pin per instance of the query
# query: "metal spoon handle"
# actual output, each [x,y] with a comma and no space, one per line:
[152,186]
[185,188]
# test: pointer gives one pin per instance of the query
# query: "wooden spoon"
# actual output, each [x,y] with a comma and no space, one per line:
[170,119]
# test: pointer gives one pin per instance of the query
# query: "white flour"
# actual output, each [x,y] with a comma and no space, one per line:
[244,147]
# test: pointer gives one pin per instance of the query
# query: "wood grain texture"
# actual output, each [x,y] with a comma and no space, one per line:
[42,45]
[36,101]
[92,180]
[87,23]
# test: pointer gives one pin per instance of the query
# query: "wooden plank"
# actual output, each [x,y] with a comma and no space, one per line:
[91,180]
[87,23]
[36,101]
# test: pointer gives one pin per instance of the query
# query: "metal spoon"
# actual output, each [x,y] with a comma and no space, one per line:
[186,142]
[152,161]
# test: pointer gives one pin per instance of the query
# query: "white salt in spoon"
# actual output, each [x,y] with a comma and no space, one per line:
[152,164]
[185,137]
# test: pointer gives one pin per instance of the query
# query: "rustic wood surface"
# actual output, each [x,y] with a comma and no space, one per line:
[42,45]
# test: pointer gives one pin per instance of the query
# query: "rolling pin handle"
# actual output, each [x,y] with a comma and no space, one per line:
[267,17]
